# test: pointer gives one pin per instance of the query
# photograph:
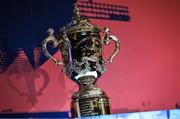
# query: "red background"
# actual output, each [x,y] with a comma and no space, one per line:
[144,76]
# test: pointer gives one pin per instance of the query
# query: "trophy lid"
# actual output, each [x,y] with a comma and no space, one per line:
[79,23]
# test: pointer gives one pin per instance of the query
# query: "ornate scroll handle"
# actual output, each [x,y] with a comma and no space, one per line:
[52,39]
[107,39]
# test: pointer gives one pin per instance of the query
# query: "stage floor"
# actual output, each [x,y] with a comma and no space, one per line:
[162,114]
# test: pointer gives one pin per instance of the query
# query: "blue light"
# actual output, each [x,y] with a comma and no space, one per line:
[173,114]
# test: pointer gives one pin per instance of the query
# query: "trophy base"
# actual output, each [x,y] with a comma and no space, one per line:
[90,107]
[89,100]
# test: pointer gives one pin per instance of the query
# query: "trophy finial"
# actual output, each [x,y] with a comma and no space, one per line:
[79,23]
[50,31]
[76,12]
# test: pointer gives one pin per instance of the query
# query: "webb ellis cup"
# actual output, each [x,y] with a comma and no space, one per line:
[81,45]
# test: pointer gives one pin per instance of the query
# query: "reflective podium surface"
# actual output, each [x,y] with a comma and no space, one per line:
[161,114]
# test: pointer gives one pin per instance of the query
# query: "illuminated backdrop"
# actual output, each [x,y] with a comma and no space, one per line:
[144,76]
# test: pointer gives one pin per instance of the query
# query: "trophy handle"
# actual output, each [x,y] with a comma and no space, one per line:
[52,39]
[107,38]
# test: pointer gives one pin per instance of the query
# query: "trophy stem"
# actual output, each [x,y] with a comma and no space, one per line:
[89,100]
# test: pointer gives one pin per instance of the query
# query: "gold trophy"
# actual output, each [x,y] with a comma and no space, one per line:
[81,45]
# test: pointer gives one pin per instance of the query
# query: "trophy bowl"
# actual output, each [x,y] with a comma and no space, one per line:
[81,45]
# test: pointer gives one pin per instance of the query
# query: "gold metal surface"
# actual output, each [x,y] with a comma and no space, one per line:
[81,46]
